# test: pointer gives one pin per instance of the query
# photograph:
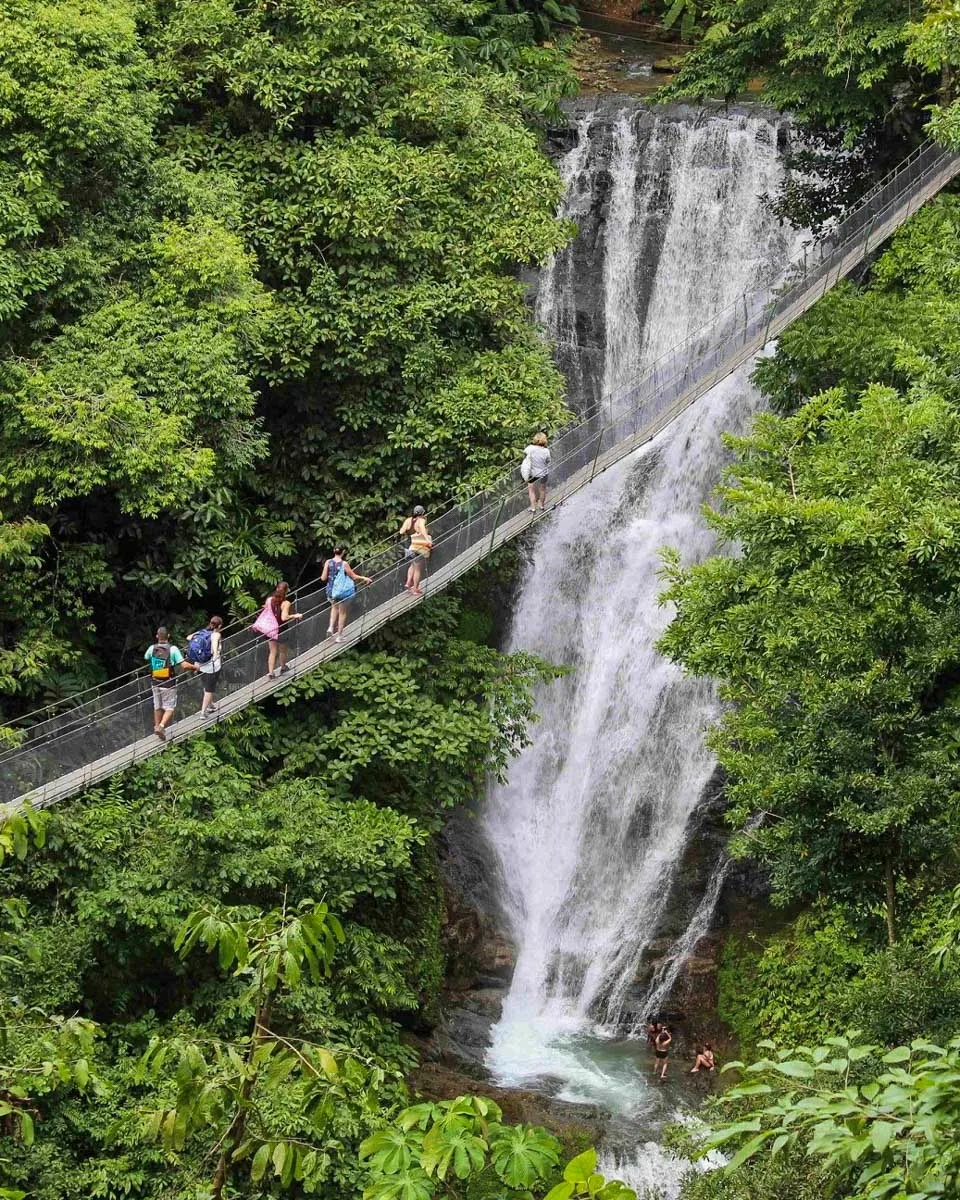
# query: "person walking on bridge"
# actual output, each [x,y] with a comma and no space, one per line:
[418,552]
[274,622]
[340,591]
[164,659]
[535,469]
[205,651]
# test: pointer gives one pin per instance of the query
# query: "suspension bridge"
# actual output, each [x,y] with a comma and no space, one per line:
[57,752]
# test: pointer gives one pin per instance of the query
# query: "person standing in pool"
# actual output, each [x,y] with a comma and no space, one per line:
[661,1051]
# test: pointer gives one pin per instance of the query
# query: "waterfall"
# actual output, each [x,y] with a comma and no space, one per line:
[589,830]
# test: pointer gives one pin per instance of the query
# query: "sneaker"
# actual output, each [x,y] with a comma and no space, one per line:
[161,734]
[338,639]
[284,669]
[210,712]
[329,633]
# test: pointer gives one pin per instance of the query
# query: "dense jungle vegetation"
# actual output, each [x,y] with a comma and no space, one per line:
[258,296]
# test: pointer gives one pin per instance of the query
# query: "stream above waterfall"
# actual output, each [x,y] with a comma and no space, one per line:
[587,836]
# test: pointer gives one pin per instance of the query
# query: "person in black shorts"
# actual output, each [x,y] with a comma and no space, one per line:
[661,1050]
[209,671]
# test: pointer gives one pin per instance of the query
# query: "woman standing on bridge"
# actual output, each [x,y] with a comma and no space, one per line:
[274,622]
[418,552]
[339,591]
[535,469]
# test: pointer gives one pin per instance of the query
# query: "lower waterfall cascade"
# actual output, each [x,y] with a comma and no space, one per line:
[587,834]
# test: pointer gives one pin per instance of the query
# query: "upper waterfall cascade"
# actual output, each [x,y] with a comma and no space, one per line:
[590,828]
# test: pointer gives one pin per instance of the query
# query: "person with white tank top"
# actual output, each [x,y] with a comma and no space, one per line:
[537,464]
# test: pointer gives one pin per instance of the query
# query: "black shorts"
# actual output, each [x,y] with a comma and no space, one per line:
[661,1053]
[210,680]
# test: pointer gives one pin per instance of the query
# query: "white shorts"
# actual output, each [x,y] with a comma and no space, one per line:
[164,698]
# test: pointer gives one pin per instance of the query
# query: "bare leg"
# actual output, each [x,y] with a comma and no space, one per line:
[416,571]
[207,701]
[532,495]
[167,717]
[271,657]
[157,717]
[338,621]
[283,655]
[542,493]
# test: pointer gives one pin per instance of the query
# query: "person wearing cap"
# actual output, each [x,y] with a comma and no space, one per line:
[418,552]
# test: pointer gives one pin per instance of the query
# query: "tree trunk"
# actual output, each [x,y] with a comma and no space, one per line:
[947,84]
[234,1135]
[891,901]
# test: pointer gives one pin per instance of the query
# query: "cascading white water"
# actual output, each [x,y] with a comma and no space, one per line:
[591,826]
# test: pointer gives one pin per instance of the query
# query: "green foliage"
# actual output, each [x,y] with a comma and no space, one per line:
[435,1150]
[19,830]
[837,63]
[228,1093]
[256,290]
[883,1124]
[835,634]
[901,329]
[334,793]
[934,46]
[791,989]
[834,630]
[686,12]
[823,974]
[791,1175]
[581,1178]
[947,946]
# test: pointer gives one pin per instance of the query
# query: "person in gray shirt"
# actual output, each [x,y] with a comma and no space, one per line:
[538,457]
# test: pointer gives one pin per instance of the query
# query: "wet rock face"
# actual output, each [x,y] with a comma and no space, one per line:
[585,1122]
[479,951]
[572,297]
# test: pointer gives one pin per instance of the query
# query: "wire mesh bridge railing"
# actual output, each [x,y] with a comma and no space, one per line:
[109,728]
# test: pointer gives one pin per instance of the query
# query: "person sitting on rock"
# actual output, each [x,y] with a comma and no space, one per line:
[705,1059]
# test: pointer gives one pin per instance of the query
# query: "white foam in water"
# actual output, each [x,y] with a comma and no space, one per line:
[591,825]
[652,1172]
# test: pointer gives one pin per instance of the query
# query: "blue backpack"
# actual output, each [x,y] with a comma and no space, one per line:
[200,646]
[343,587]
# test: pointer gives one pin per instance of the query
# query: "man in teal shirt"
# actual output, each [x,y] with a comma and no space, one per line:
[164,660]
